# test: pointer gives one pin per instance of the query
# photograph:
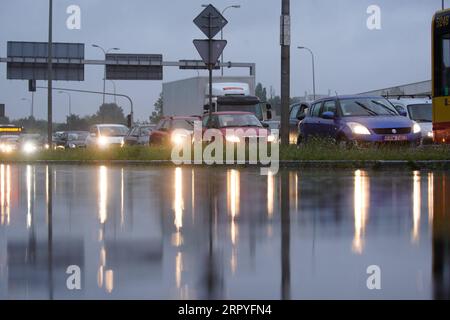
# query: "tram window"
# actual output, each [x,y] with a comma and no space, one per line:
[444,89]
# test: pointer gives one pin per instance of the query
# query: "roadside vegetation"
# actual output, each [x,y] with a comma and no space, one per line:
[317,150]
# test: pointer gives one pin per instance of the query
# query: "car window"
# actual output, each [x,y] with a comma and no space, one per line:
[329,106]
[294,111]
[205,121]
[315,110]
[399,108]
[160,124]
[183,124]
[134,132]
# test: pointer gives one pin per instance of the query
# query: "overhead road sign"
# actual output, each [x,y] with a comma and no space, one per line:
[210,21]
[134,66]
[29,61]
[196,65]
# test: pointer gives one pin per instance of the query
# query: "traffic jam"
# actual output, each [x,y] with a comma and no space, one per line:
[348,120]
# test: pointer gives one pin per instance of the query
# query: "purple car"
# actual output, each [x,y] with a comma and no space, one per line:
[358,120]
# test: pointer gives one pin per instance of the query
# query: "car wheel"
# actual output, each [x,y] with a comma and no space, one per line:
[344,143]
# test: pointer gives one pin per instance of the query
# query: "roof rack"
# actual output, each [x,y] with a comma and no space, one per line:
[412,96]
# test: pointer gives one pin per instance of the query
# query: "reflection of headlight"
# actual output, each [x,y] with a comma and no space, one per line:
[358,128]
[416,128]
[271,138]
[179,138]
[47,146]
[232,139]
[29,147]
[430,134]
[102,141]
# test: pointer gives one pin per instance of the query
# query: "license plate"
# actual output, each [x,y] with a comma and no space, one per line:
[395,138]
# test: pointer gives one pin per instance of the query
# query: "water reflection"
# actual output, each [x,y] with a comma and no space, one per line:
[361,209]
[5,194]
[233,195]
[224,251]
[416,197]
[102,194]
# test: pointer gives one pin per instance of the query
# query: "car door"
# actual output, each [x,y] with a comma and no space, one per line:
[132,137]
[144,134]
[310,124]
[327,127]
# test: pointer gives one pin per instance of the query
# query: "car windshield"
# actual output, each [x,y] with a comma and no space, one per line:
[253,108]
[113,131]
[367,107]
[421,112]
[239,120]
[74,136]
[183,124]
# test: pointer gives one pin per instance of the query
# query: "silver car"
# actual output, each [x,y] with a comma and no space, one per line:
[419,110]
[106,135]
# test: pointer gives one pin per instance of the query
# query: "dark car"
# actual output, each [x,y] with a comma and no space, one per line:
[297,112]
[163,133]
[139,135]
[358,120]
[74,139]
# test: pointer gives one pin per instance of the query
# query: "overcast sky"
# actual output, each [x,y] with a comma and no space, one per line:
[350,58]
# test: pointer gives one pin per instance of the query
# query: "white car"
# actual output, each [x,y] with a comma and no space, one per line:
[419,110]
[107,135]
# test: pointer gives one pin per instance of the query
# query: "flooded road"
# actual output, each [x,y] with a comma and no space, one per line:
[183,233]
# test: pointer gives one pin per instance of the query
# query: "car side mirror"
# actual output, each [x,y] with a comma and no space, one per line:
[301,117]
[265,125]
[403,113]
[328,115]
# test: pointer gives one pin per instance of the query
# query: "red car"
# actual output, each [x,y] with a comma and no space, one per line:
[164,134]
[229,123]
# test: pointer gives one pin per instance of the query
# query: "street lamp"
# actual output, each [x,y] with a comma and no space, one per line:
[235,6]
[70,100]
[313,70]
[114,87]
[31,104]
[104,75]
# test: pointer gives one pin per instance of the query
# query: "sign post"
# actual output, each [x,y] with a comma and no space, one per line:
[210,21]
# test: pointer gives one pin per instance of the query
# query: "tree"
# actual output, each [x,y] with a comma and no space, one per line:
[109,113]
[158,113]
[261,92]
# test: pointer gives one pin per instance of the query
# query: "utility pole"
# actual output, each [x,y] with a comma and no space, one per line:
[50,75]
[285,69]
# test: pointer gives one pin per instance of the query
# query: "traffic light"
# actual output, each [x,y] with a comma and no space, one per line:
[32,85]
[129,124]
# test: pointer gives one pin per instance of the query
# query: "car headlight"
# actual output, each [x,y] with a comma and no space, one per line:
[47,146]
[179,138]
[358,128]
[72,146]
[416,128]
[430,134]
[102,141]
[29,147]
[232,139]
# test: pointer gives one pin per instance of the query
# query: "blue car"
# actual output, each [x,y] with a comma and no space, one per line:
[358,120]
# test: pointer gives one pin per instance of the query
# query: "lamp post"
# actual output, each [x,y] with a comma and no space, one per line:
[235,6]
[114,87]
[313,70]
[70,100]
[104,74]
